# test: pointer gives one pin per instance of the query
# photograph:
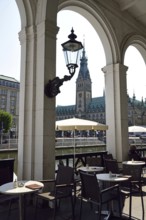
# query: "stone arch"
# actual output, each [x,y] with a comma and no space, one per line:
[29,16]
[38,37]
[25,10]
[138,42]
[114,72]
[100,23]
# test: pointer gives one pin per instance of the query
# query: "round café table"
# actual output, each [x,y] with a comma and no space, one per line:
[91,169]
[107,177]
[134,162]
[23,187]
[113,179]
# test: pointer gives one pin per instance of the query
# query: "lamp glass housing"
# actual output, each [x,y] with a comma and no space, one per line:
[72,49]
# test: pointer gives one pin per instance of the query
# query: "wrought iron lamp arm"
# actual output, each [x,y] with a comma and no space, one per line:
[52,88]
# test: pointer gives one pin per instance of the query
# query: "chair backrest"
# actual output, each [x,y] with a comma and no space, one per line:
[61,162]
[108,157]
[135,171]
[94,161]
[6,170]
[90,188]
[133,154]
[65,175]
[111,166]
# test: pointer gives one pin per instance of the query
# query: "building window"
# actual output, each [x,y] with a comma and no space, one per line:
[13,93]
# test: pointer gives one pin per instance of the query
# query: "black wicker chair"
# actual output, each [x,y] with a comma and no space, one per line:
[112,166]
[92,193]
[94,161]
[6,175]
[134,185]
[108,157]
[63,187]
[6,170]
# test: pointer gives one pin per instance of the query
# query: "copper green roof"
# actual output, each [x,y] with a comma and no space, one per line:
[69,109]
[136,102]
[97,102]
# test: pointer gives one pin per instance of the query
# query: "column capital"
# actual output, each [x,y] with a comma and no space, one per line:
[117,67]
[27,34]
[47,28]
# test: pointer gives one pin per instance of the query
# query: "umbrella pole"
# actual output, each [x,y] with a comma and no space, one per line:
[74,151]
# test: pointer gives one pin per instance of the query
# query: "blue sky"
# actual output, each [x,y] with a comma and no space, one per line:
[10,53]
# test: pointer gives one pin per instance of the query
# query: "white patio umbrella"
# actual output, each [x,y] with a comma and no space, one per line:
[136,129]
[73,124]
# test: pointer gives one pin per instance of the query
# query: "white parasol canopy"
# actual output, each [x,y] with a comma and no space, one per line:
[73,124]
[79,124]
[136,129]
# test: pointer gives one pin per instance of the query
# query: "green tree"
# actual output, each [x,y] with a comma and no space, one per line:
[5,121]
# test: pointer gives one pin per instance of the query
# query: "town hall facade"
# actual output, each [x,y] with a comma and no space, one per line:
[93,108]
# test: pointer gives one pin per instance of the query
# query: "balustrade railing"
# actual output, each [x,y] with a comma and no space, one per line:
[79,159]
[71,157]
[141,151]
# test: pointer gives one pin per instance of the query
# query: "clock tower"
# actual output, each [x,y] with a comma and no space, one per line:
[83,87]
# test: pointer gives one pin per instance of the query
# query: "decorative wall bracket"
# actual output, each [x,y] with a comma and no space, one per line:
[52,88]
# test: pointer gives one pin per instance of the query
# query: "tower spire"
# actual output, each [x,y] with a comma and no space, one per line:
[83,84]
[83,47]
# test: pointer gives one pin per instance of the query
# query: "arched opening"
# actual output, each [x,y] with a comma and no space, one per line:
[136,74]
[136,86]
[112,73]
[94,53]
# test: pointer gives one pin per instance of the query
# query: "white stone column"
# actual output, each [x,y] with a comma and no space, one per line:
[21,141]
[36,148]
[116,110]
[45,107]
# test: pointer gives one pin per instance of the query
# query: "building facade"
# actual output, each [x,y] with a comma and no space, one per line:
[9,98]
[93,109]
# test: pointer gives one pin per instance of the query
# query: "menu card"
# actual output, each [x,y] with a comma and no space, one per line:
[34,186]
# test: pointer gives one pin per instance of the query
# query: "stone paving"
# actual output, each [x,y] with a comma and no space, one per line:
[136,206]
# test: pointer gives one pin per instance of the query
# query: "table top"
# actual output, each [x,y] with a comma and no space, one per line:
[91,169]
[112,177]
[134,162]
[23,187]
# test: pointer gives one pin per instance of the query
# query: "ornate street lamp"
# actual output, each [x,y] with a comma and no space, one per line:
[71,49]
